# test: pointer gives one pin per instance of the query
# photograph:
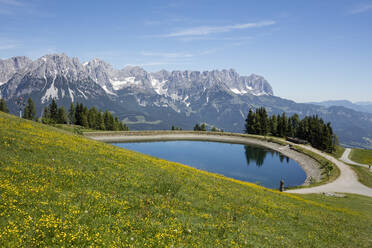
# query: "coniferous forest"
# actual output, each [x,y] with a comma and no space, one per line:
[311,128]
[83,116]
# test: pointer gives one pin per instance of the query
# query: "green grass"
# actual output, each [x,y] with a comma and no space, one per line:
[364,174]
[326,178]
[73,128]
[361,156]
[59,189]
[338,152]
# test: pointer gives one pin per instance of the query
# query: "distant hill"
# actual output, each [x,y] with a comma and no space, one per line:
[357,106]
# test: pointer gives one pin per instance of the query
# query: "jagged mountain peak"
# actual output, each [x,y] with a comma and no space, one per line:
[8,67]
[176,84]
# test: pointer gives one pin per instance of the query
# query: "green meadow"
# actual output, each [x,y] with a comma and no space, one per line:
[62,189]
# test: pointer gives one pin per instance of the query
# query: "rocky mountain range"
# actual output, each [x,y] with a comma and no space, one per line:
[157,100]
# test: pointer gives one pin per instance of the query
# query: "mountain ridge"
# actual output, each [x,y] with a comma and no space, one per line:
[357,106]
[157,100]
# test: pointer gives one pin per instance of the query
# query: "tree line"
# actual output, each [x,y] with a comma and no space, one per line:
[77,115]
[311,128]
[203,127]
[3,106]
[83,116]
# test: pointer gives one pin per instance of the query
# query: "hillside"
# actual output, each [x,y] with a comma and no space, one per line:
[362,156]
[59,189]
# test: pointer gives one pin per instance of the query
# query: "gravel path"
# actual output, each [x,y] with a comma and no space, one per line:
[347,182]
[345,158]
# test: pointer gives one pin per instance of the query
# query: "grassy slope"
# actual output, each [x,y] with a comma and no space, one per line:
[61,189]
[364,174]
[338,152]
[362,156]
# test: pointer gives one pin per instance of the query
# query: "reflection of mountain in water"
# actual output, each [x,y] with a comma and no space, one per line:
[258,155]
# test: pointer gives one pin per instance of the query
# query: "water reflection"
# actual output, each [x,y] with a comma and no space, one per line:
[257,155]
[231,160]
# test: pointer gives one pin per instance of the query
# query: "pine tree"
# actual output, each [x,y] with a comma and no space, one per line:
[263,119]
[46,116]
[116,124]
[71,114]
[197,127]
[62,116]
[274,125]
[100,123]
[249,122]
[3,106]
[53,109]
[92,115]
[84,117]
[109,120]
[256,129]
[29,111]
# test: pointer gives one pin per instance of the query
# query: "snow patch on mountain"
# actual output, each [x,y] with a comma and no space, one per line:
[239,92]
[158,86]
[51,92]
[71,93]
[104,87]
[120,84]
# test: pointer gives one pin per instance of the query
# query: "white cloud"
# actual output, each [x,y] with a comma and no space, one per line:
[11,2]
[155,63]
[206,30]
[7,46]
[361,8]
[167,55]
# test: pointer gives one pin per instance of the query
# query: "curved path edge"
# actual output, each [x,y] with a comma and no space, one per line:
[347,182]
[346,159]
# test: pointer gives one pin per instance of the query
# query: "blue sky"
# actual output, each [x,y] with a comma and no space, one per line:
[307,50]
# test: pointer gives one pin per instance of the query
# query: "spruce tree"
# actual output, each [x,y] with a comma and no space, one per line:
[71,114]
[46,116]
[273,125]
[29,111]
[249,122]
[53,109]
[84,117]
[92,115]
[3,106]
[197,127]
[100,124]
[62,116]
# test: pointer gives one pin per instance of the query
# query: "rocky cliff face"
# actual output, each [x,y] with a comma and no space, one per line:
[11,66]
[42,73]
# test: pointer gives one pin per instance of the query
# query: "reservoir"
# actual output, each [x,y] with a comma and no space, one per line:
[246,163]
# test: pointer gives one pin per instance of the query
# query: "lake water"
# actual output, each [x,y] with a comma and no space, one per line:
[247,163]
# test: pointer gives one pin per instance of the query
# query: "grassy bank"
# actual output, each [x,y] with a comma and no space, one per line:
[338,152]
[361,156]
[364,174]
[328,176]
[60,189]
